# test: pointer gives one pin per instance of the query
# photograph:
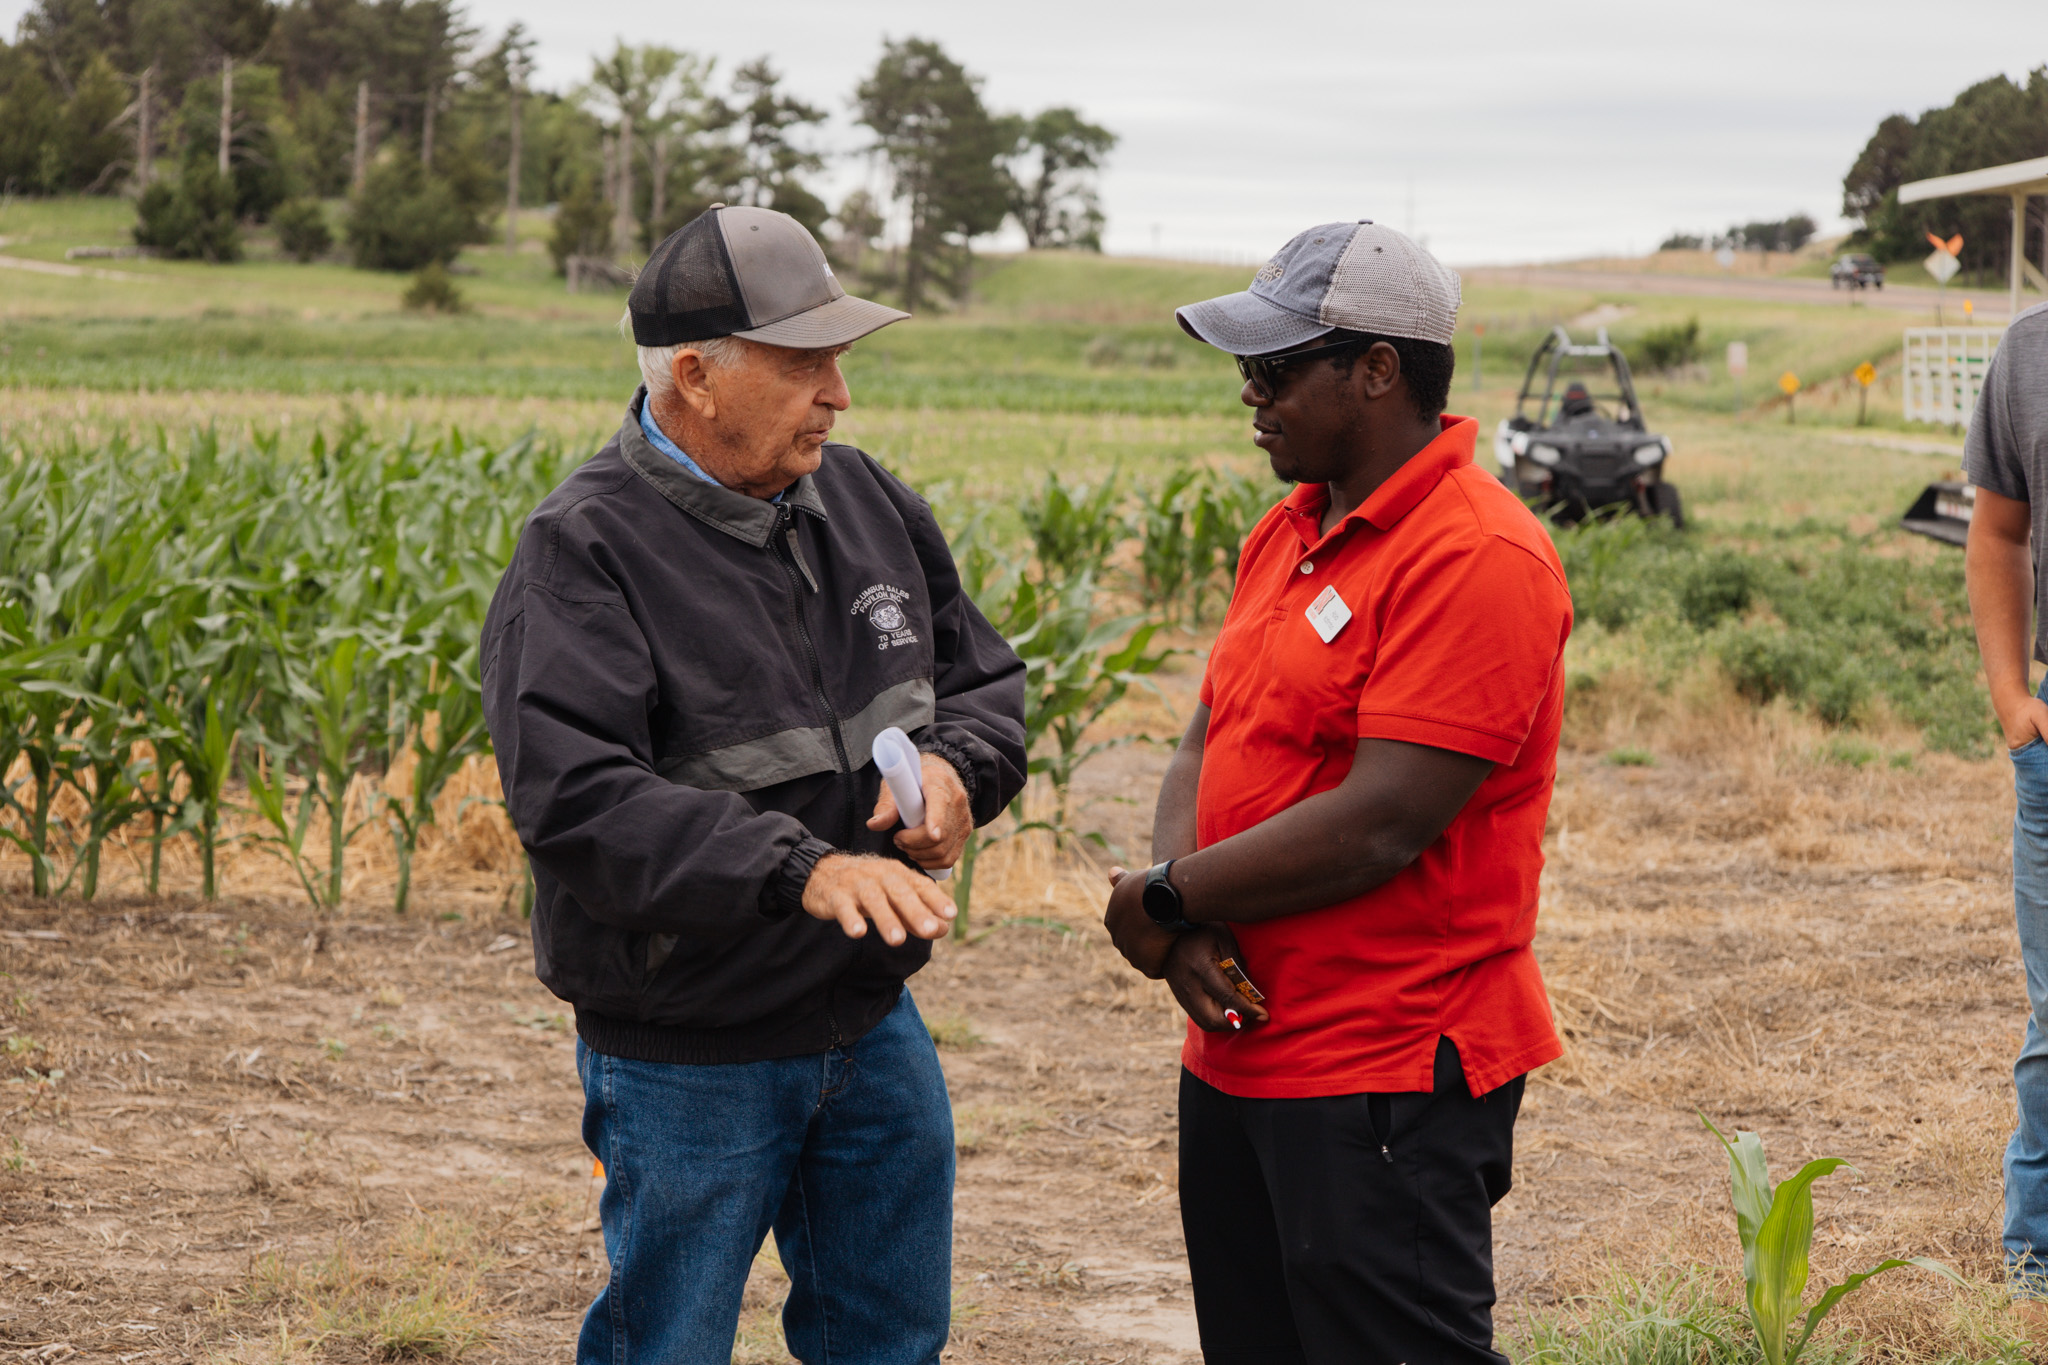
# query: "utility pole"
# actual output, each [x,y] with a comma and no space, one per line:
[227,110]
[145,130]
[427,129]
[362,160]
[512,174]
[622,222]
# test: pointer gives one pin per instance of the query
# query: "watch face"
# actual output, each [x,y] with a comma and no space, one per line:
[1162,902]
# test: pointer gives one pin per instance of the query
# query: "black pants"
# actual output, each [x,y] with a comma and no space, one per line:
[1347,1230]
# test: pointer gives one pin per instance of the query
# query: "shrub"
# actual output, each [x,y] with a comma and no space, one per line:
[1716,585]
[1823,670]
[406,219]
[1666,348]
[302,231]
[433,291]
[191,220]
[1611,567]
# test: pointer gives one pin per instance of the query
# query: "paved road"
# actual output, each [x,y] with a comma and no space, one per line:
[1901,298]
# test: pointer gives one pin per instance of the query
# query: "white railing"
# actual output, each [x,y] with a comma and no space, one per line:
[1945,371]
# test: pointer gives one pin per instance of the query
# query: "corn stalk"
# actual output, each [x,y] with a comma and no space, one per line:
[1775,1226]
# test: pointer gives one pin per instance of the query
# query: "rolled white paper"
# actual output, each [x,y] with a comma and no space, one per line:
[902,767]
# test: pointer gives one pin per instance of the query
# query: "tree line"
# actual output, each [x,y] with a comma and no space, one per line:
[1764,235]
[220,114]
[1994,122]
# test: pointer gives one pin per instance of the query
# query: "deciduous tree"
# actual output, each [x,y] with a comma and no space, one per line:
[944,151]
[1052,188]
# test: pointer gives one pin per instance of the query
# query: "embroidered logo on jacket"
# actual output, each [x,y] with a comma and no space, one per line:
[882,604]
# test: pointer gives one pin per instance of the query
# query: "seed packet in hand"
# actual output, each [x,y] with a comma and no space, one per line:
[1228,966]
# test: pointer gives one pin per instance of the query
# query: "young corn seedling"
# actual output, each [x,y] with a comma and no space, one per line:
[1167,553]
[1073,530]
[1775,1223]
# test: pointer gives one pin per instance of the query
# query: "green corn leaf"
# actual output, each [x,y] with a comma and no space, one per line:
[1783,1246]
[1836,1293]
[1749,1177]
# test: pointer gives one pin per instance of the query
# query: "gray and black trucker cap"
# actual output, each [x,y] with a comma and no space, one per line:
[751,273]
[1359,276]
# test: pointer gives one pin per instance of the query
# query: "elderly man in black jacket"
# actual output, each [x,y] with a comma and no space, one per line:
[700,635]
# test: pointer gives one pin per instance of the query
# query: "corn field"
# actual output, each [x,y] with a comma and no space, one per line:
[213,641]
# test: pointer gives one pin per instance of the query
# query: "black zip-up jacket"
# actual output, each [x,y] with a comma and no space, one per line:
[683,684]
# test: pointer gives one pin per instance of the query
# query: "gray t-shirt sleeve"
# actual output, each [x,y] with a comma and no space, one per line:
[1991,454]
[2006,450]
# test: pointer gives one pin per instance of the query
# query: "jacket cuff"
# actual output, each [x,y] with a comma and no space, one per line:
[783,895]
[962,761]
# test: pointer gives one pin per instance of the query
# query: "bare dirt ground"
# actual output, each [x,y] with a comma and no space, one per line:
[279,1138]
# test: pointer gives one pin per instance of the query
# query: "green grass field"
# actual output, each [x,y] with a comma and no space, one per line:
[1045,333]
[1061,364]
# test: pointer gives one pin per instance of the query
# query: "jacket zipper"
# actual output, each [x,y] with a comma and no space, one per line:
[784,523]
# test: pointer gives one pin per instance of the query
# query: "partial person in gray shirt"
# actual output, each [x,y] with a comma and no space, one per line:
[2006,457]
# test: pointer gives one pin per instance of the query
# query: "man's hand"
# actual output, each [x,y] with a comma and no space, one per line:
[1202,989]
[2024,718]
[936,843]
[854,889]
[1143,943]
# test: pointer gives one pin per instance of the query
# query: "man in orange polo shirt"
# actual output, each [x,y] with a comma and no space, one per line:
[1355,819]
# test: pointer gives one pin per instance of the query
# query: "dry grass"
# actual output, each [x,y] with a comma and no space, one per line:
[1802,932]
[416,1295]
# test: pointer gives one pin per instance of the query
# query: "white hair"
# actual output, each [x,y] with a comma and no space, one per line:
[657,363]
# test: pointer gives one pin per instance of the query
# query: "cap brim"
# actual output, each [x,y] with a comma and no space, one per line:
[843,320]
[1245,324]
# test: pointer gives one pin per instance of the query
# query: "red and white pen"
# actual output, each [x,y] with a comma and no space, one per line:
[1236,1020]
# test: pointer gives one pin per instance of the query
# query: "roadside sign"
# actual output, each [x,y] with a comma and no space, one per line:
[1942,266]
[1953,246]
[1738,358]
[1866,374]
[1969,311]
[1788,383]
[1725,258]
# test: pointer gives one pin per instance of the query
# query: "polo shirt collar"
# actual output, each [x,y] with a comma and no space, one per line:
[738,515]
[1399,495]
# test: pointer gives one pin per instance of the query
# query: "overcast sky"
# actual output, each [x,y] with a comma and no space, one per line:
[1501,131]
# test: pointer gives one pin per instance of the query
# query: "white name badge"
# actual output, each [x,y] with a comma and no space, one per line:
[1328,614]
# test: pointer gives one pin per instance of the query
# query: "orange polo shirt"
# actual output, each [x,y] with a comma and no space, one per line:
[1455,639]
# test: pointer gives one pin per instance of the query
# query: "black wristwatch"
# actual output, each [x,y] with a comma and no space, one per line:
[1162,902]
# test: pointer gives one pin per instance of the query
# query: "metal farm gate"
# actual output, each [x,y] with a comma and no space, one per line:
[1945,371]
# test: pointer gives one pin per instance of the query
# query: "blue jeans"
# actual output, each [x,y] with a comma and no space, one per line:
[2026,1156]
[847,1155]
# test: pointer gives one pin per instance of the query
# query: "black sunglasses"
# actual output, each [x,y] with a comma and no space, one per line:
[1263,372]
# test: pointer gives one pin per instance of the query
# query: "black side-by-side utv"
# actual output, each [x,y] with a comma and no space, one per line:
[1577,447]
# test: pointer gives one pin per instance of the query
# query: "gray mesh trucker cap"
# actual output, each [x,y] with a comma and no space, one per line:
[1358,276]
[751,273]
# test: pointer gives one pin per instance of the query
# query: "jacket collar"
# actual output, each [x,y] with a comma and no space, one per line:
[739,516]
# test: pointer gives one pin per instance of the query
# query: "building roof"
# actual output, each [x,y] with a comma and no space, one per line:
[2019,177]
